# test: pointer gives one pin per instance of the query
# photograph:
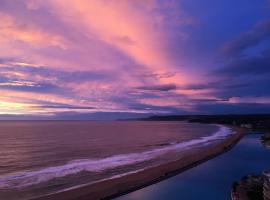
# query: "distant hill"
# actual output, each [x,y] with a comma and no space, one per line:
[256,121]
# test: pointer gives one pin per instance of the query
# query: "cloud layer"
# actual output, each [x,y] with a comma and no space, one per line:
[143,57]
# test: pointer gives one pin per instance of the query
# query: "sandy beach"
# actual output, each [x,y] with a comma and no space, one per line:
[118,186]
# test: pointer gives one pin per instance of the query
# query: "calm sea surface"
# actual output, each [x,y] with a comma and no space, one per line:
[42,157]
[213,179]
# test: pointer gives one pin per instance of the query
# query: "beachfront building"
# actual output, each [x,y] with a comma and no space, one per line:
[247,187]
[266,186]
[248,126]
[266,140]
[266,144]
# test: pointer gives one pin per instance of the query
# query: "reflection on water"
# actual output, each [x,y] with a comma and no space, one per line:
[212,179]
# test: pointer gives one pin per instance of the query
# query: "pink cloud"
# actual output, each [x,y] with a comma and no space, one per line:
[12,31]
[121,38]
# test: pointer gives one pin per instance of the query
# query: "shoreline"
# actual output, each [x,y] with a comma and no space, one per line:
[112,188]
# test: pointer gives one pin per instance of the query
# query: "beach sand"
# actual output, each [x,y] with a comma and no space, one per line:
[111,188]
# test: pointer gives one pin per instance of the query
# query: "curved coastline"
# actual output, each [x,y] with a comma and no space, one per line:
[120,185]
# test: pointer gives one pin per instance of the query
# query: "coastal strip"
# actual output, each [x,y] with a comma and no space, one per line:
[111,188]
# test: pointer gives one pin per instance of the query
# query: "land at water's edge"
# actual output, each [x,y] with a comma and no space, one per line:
[118,186]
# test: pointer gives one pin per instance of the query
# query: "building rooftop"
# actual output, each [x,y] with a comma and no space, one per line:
[267,173]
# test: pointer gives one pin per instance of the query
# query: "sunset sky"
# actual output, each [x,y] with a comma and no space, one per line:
[123,58]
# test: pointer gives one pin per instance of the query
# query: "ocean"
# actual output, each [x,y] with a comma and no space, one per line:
[43,157]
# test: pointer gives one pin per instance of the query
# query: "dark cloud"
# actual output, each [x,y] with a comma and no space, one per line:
[49,72]
[244,75]
[97,115]
[259,65]
[260,89]
[15,76]
[163,88]
[249,65]
[221,84]
[77,116]
[152,108]
[5,60]
[235,86]
[68,76]
[208,100]
[3,79]
[64,106]
[145,75]
[226,108]
[34,87]
[248,39]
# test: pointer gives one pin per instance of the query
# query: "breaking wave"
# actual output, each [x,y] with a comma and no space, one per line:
[25,179]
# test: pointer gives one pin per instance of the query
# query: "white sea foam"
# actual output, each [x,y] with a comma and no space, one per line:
[25,179]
